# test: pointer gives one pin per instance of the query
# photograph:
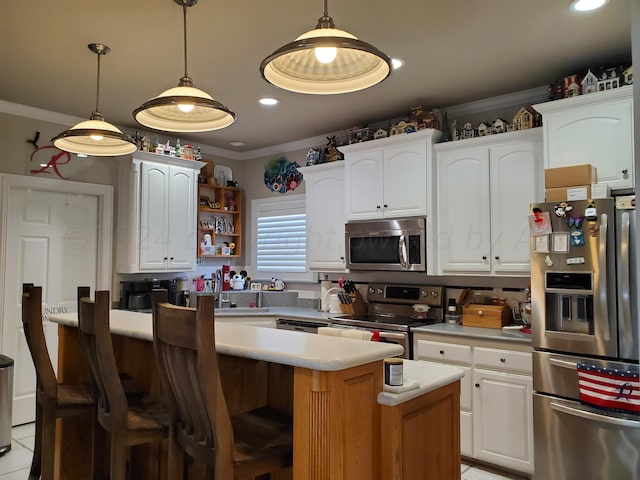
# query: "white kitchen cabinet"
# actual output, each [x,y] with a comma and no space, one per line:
[503,419]
[324,194]
[390,177]
[157,204]
[496,412]
[596,128]
[485,186]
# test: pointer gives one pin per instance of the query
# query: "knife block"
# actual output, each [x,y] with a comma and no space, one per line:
[357,305]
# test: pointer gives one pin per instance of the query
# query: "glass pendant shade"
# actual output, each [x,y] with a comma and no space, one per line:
[95,136]
[306,64]
[184,108]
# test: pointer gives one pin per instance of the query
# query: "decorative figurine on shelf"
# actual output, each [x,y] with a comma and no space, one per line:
[331,150]
[589,83]
[524,119]
[360,134]
[380,133]
[313,156]
[627,76]
[571,86]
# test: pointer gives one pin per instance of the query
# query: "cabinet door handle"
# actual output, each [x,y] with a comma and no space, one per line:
[172,258]
[441,352]
[385,205]
[377,206]
[503,360]
[625,171]
[497,257]
[484,257]
[165,258]
[477,385]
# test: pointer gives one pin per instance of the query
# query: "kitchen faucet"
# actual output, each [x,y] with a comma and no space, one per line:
[218,290]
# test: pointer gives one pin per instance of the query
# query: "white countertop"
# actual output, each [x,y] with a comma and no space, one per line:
[476,332]
[298,349]
[429,376]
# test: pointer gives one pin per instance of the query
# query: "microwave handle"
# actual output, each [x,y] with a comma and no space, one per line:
[402,252]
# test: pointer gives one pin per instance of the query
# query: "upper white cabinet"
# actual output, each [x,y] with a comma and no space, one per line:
[157,214]
[484,188]
[390,177]
[324,193]
[596,128]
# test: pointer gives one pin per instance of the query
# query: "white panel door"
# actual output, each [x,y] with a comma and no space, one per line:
[154,216]
[516,182]
[181,224]
[325,217]
[503,419]
[52,239]
[363,185]
[405,180]
[464,228]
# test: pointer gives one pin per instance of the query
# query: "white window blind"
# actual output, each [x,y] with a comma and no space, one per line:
[280,237]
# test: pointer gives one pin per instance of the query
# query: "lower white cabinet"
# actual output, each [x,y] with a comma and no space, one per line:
[496,413]
[324,194]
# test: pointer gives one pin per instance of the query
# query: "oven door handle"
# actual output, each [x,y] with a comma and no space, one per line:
[620,422]
[393,336]
[402,252]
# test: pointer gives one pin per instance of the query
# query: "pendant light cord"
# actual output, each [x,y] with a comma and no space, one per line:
[184,15]
[326,8]
[98,84]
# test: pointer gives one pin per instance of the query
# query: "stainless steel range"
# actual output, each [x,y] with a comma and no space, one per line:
[393,310]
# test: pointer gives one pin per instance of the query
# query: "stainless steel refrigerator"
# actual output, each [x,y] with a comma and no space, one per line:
[584,318]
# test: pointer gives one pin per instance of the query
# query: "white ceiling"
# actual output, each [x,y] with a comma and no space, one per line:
[456,51]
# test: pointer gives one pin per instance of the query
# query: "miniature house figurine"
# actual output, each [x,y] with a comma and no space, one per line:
[499,126]
[524,119]
[571,86]
[467,131]
[313,156]
[380,133]
[482,129]
[589,83]
[399,128]
[609,79]
[359,134]
[627,76]
[454,132]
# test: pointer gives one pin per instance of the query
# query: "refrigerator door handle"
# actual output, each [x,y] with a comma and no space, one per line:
[602,315]
[624,285]
[619,422]
[563,363]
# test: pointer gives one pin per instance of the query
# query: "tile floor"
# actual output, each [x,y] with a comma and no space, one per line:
[15,464]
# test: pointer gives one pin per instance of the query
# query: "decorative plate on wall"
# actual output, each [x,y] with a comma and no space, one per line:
[281,176]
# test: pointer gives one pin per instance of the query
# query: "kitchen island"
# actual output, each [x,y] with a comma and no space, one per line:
[330,386]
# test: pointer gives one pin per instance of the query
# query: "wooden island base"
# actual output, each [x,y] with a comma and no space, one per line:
[340,430]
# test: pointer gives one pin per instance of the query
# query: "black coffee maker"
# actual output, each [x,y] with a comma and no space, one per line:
[136,295]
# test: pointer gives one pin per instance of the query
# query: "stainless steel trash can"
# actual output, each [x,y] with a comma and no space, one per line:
[6,402]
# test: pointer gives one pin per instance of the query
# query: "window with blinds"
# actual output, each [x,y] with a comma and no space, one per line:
[280,237]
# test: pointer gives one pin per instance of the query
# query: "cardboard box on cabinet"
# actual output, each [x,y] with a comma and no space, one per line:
[571,176]
[571,194]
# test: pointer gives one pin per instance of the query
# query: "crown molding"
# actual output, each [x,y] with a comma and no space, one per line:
[533,95]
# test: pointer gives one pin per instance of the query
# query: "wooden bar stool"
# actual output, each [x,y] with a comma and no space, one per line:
[53,399]
[130,420]
[250,445]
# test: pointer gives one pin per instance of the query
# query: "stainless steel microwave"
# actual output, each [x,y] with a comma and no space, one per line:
[398,245]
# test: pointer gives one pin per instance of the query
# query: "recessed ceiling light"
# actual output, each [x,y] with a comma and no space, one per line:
[269,101]
[396,63]
[237,144]
[586,5]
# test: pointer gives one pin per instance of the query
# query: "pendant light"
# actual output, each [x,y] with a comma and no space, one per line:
[95,136]
[326,61]
[184,108]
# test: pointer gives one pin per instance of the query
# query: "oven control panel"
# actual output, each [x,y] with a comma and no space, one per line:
[405,294]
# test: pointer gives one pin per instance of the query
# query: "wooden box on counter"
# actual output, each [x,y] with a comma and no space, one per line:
[357,305]
[487,316]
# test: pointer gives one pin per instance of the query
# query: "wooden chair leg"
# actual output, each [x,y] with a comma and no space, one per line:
[99,446]
[177,461]
[118,457]
[48,442]
[36,462]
